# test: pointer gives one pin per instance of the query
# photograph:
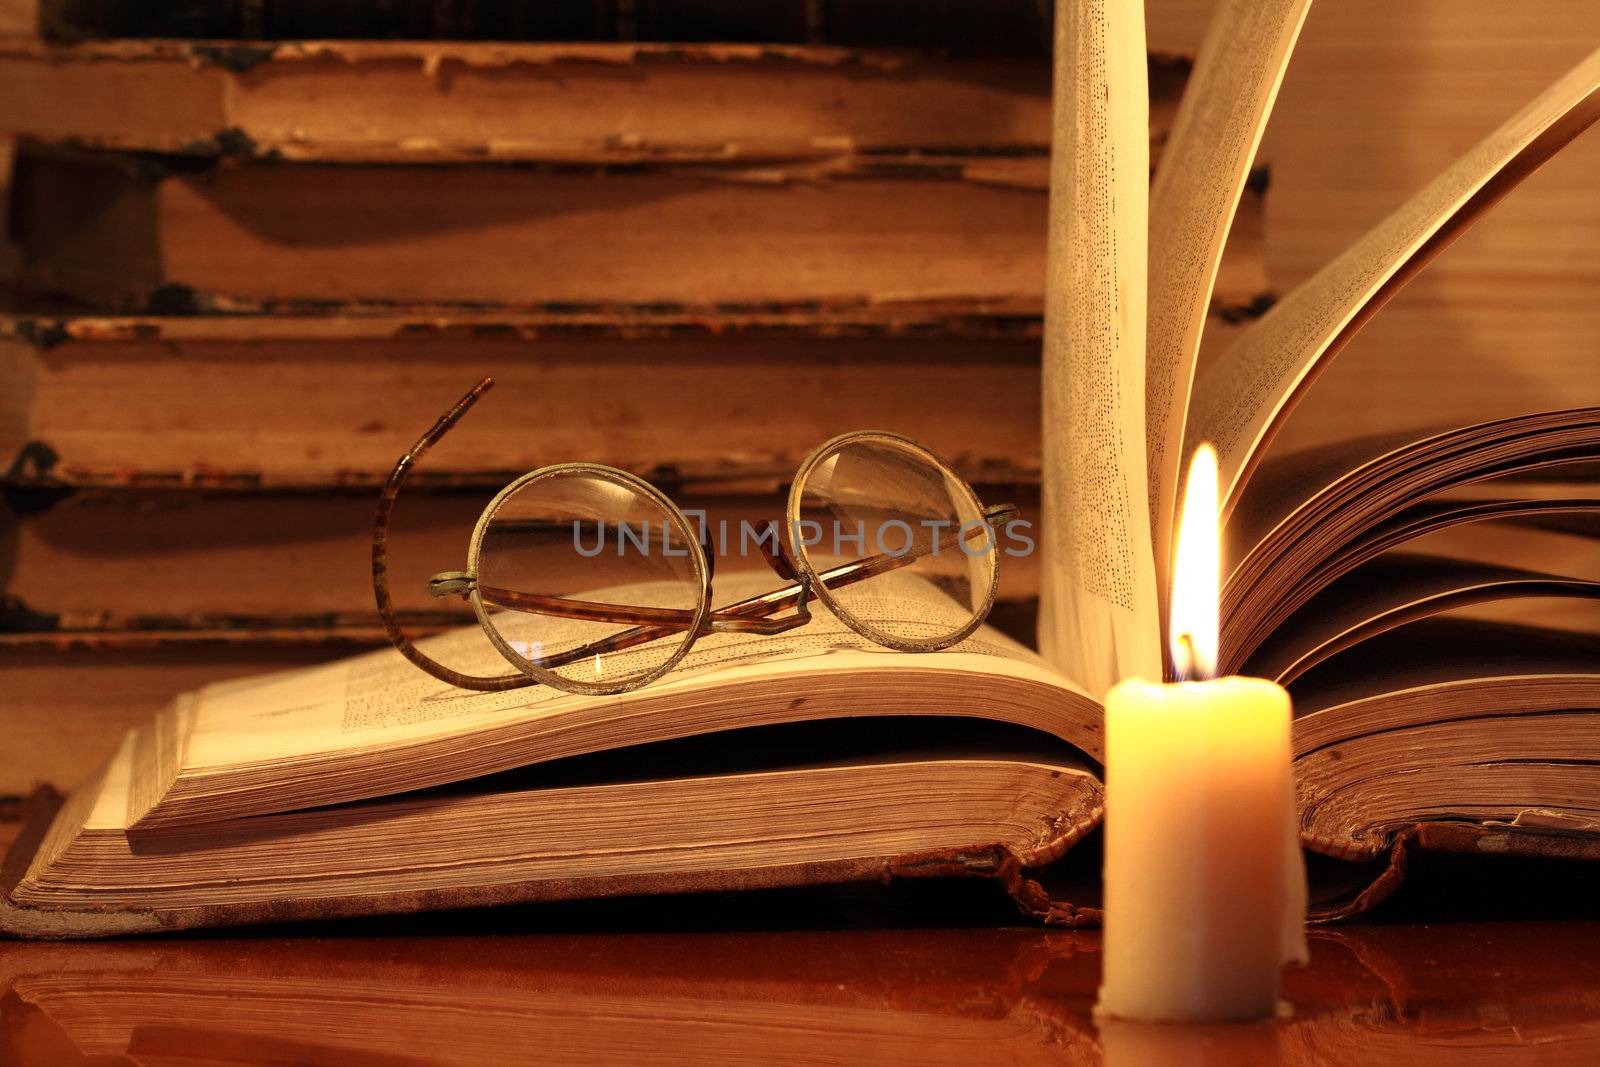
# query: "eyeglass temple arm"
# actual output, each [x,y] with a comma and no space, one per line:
[746,616]
[725,621]
[662,621]
[753,615]
[380,559]
[749,616]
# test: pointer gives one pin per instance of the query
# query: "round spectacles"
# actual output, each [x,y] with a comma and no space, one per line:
[589,579]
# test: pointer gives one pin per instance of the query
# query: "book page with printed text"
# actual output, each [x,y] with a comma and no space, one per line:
[1098,616]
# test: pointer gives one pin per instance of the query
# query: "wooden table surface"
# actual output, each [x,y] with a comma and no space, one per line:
[842,975]
[1466,993]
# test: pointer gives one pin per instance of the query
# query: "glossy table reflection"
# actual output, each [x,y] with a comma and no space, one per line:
[1469,993]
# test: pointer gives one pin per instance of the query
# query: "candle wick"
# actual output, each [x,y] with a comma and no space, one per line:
[1188,670]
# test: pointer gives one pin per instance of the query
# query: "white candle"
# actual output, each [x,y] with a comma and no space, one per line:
[1205,891]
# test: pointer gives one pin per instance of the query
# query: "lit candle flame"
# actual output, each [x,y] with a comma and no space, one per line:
[597,664]
[1197,573]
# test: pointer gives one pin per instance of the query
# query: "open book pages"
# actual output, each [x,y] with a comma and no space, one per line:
[1098,615]
[1243,397]
[1351,573]
[1475,723]
[1193,201]
[1117,332]
[375,725]
[1374,496]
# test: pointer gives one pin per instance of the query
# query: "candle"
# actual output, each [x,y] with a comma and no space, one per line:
[1205,892]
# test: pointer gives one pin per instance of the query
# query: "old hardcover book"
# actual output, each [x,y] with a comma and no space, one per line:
[576,102]
[317,403]
[836,232]
[1434,708]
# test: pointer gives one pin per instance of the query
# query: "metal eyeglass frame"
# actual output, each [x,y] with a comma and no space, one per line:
[756,614]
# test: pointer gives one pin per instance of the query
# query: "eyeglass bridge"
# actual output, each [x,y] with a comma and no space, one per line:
[452,583]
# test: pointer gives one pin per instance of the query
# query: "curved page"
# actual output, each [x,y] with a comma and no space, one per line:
[1241,399]
[1192,205]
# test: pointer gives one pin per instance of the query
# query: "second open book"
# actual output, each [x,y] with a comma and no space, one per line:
[1423,594]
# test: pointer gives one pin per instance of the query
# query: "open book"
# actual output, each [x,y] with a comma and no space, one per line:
[1422,593]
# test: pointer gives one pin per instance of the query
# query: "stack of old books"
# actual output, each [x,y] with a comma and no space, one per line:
[254,249]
